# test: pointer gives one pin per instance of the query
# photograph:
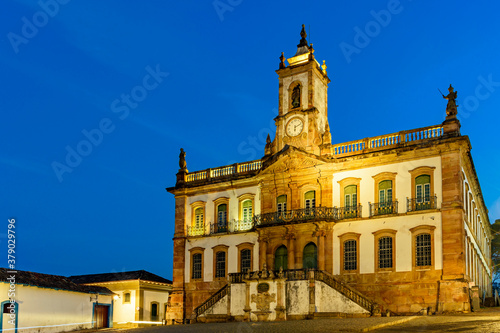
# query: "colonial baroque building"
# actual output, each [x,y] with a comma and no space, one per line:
[394,223]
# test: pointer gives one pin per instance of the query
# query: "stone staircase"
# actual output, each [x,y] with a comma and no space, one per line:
[349,294]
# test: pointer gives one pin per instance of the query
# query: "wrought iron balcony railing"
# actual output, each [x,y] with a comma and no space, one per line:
[349,212]
[307,215]
[423,203]
[217,228]
[383,208]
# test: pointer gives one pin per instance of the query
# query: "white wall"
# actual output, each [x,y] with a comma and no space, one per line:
[402,186]
[49,310]
[328,299]
[233,204]
[403,243]
[124,312]
[161,297]
[231,240]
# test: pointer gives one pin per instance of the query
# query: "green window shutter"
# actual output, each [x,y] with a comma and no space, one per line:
[310,256]
[281,258]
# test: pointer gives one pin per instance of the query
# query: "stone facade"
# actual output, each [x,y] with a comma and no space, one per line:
[399,218]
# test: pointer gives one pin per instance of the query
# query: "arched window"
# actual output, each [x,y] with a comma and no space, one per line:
[221,218]
[220,264]
[246,260]
[423,254]
[126,297]
[351,197]
[247,212]
[198,218]
[385,193]
[281,204]
[310,199]
[310,257]
[296,96]
[350,255]
[423,188]
[281,258]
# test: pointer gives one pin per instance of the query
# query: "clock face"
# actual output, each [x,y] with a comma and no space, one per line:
[294,127]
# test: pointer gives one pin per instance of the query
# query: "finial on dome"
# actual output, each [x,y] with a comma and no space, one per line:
[303,34]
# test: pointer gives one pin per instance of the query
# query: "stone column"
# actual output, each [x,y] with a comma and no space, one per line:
[247,308]
[280,304]
[263,239]
[291,249]
[321,249]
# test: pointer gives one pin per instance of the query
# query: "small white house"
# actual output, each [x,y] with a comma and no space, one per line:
[35,302]
[141,298]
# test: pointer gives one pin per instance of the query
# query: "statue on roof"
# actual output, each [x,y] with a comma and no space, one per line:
[182,160]
[451,107]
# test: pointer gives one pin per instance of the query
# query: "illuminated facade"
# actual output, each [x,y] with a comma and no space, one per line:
[391,223]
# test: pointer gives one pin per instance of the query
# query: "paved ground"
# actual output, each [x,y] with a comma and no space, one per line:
[487,321]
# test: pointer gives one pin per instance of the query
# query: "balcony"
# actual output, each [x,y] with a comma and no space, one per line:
[307,215]
[424,203]
[196,230]
[383,208]
[216,228]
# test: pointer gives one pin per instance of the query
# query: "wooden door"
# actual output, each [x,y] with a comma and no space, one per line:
[101,314]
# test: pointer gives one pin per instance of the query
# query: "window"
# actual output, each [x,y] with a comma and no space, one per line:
[220,261]
[385,193]
[422,189]
[246,260]
[198,218]
[221,218]
[349,252]
[310,257]
[351,197]
[385,246]
[310,199]
[295,96]
[385,252]
[281,258]
[245,257]
[281,204]
[154,311]
[197,266]
[220,264]
[423,246]
[350,255]
[126,297]
[349,193]
[423,250]
[247,210]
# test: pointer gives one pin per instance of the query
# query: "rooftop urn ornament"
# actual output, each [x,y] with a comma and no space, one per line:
[267,149]
[282,59]
[451,107]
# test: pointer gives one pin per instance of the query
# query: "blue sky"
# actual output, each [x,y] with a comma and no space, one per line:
[143,79]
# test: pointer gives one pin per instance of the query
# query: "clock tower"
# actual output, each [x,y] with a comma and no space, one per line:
[302,121]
